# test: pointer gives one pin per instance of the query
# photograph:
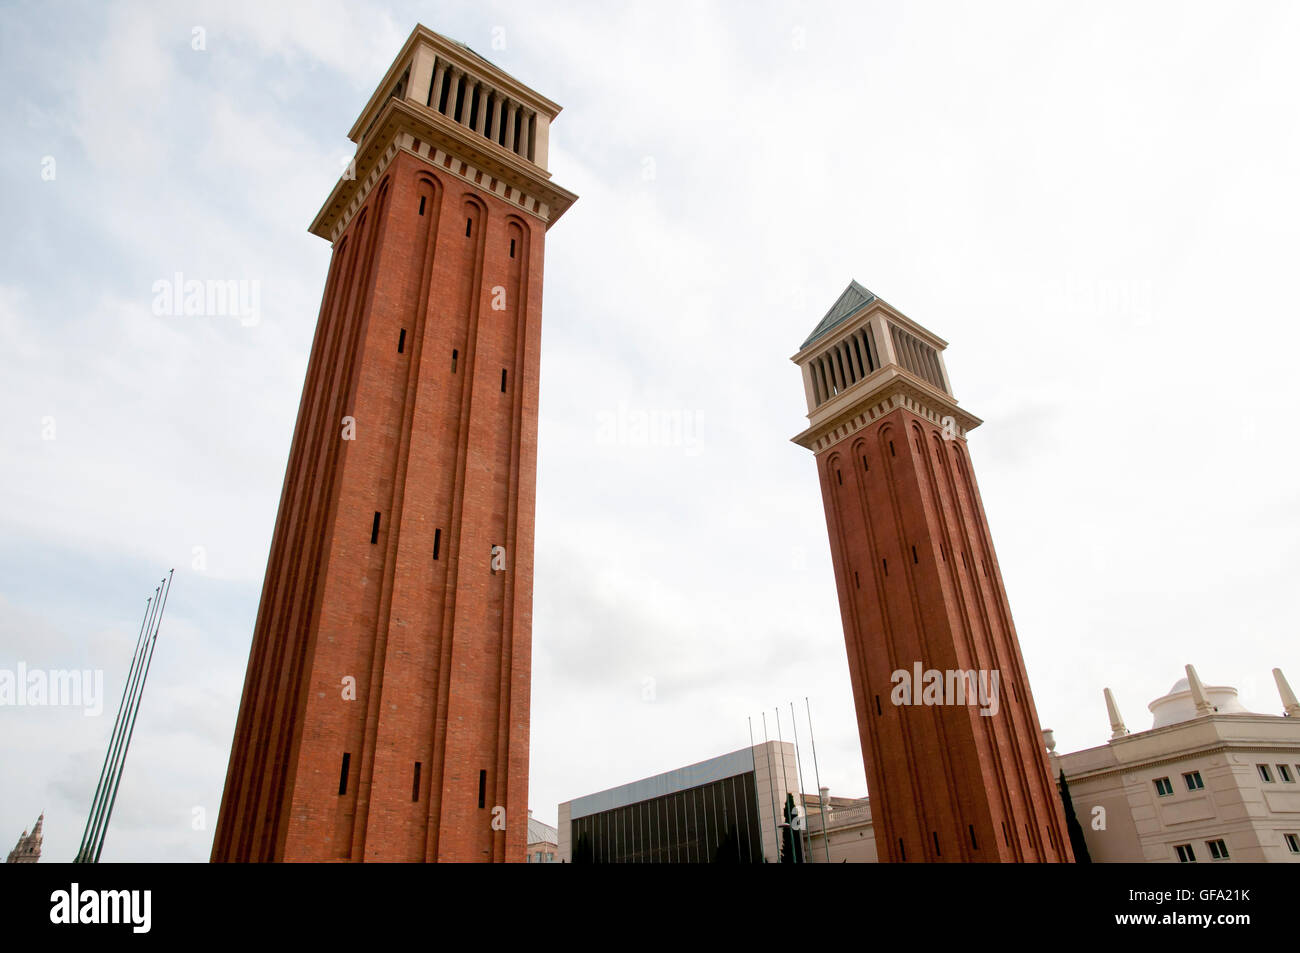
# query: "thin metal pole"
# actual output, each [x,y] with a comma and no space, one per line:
[757,804]
[103,771]
[826,841]
[798,761]
[115,746]
[134,715]
[771,786]
[785,781]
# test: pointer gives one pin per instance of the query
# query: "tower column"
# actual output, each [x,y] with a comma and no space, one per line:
[954,753]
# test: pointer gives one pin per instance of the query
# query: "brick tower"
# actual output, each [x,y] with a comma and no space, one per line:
[385,712]
[953,774]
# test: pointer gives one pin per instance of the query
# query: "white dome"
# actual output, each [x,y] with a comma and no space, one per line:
[1179,705]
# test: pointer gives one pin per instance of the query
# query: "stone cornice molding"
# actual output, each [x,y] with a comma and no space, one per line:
[1217,747]
[876,395]
[476,160]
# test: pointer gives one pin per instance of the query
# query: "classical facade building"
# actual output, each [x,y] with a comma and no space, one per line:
[385,713]
[28,848]
[1207,782]
[839,829]
[950,738]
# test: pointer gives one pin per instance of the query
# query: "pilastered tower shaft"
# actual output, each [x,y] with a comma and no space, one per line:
[385,713]
[956,767]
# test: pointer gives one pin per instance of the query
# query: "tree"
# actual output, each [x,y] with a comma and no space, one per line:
[791,838]
[728,850]
[1077,843]
[582,852]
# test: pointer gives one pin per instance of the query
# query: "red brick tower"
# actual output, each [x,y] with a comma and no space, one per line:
[385,710]
[953,775]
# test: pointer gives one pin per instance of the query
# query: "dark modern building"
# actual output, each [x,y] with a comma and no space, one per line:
[726,809]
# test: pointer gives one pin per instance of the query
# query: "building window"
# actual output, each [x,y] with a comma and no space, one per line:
[1163,787]
[1185,854]
[1285,774]
[1265,774]
[1193,779]
[1218,849]
[1292,843]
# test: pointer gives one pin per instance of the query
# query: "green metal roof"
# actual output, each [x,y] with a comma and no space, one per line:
[853,300]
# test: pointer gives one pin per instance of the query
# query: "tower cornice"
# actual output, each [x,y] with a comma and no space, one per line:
[883,392]
[472,158]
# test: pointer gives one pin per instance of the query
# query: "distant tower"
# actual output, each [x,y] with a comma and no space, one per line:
[385,713]
[920,590]
[28,850]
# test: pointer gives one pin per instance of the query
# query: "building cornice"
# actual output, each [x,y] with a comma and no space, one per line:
[445,143]
[882,392]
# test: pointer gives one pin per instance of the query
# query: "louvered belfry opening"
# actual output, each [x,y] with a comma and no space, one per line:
[859,336]
[474,103]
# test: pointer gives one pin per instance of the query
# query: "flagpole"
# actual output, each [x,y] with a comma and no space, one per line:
[771,786]
[826,841]
[798,760]
[757,803]
[103,771]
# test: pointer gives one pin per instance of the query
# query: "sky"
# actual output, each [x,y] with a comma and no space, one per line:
[1095,205]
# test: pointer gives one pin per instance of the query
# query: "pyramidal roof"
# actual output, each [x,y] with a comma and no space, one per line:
[853,300]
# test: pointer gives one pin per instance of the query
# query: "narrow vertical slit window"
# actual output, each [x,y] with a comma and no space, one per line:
[374,529]
[902,851]
[469,226]
[415,783]
[937,851]
[454,354]
[503,380]
[914,559]
[885,565]
[864,462]
[482,789]
[891,448]
[421,204]
[973,843]
[839,477]
[343,774]
[878,711]
[856,582]
[437,542]
[512,248]
[401,341]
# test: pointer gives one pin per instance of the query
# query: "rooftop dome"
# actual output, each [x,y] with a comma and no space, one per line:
[1178,705]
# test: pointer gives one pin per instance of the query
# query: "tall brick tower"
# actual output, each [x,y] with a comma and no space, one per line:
[385,712]
[921,597]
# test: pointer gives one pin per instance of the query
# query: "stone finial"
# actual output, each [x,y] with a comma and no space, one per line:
[1201,699]
[1117,729]
[1289,704]
[1049,739]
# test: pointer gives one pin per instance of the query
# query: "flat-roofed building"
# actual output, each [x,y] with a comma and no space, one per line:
[725,809]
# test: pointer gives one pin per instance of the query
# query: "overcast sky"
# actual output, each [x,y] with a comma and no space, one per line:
[1096,205]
